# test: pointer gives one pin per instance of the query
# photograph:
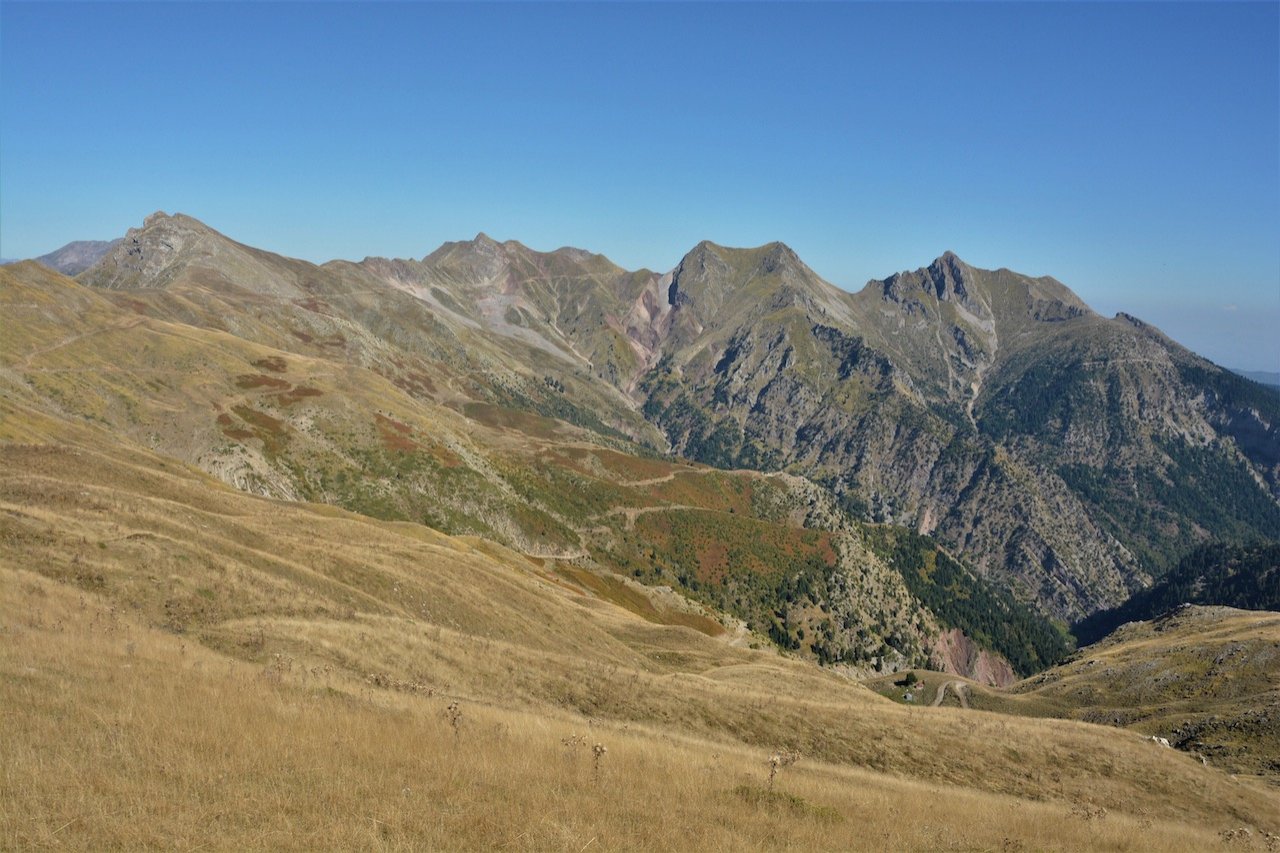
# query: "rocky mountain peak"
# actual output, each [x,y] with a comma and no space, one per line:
[147,256]
[950,278]
[769,258]
[720,270]
[704,257]
[780,257]
[176,249]
[481,260]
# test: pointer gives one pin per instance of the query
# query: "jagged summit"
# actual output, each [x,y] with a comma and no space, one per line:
[947,279]
[148,257]
[176,248]
[982,296]
[950,277]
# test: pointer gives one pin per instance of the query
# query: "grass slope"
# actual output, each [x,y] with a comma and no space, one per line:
[1207,679]
[185,664]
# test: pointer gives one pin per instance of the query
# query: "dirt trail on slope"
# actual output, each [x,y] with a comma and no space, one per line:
[653,481]
[633,512]
[117,325]
[958,687]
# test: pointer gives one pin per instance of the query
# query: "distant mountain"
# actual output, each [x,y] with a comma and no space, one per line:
[1262,377]
[1067,456]
[1244,577]
[76,257]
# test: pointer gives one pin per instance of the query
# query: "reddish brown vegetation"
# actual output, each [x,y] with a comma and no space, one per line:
[274,363]
[290,397]
[315,306]
[250,380]
[395,435]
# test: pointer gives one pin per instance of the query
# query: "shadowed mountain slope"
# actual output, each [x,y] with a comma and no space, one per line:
[1242,576]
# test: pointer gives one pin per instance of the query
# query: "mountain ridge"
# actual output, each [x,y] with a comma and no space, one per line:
[282,424]
[994,410]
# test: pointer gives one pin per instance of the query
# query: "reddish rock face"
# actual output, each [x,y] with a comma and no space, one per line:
[957,653]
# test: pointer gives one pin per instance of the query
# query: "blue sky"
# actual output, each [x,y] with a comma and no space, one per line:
[1131,151]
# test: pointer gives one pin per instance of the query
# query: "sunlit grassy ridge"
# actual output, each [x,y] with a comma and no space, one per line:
[185,664]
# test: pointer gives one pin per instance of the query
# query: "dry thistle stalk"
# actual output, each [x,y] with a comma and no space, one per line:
[597,752]
[454,713]
[1087,814]
[779,760]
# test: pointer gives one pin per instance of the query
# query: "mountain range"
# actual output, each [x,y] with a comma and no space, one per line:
[1262,377]
[507,548]
[558,404]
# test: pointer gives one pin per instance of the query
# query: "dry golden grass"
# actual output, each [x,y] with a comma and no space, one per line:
[187,666]
[1205,678]
[117,735]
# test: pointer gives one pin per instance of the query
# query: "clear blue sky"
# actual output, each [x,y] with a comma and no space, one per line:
[1132,151]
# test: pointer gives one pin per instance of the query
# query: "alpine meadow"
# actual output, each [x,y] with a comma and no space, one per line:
[503,548]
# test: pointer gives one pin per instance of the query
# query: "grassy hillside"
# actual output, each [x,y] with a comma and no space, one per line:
[184,662]
[1207,679]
